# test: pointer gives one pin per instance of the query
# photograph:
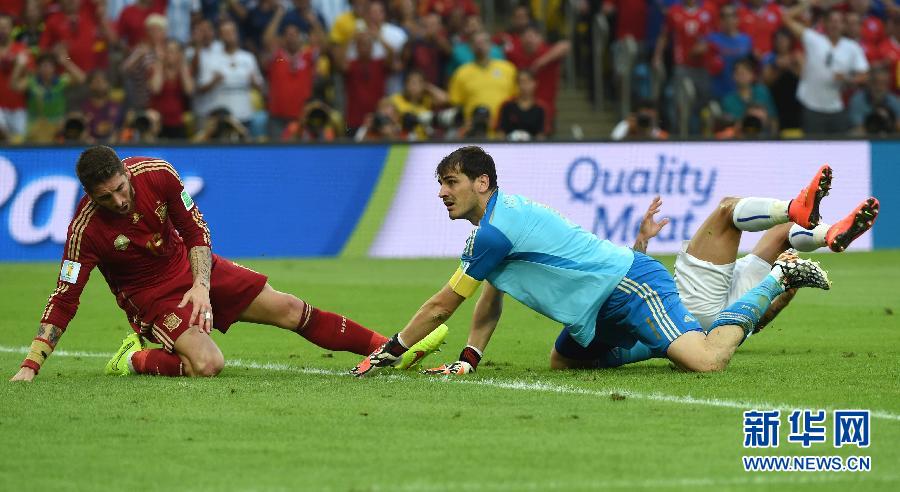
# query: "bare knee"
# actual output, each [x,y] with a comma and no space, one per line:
[294,312]
[208,364]
[726,207]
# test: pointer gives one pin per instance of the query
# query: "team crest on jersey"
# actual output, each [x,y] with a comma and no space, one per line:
[121,242]
[162,212]
[688,318]
[136,217]
[171,321]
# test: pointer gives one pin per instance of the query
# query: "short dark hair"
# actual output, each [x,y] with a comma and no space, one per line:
[472,161]
[96,165]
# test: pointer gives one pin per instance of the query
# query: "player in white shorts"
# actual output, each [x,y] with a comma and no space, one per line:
[709,276]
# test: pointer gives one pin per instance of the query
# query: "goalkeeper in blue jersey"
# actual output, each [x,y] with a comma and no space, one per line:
[597,290]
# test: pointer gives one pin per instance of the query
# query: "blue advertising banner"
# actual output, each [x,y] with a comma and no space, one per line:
[258,201]
[886,187]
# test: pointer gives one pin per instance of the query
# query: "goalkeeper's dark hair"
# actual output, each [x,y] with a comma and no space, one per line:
[96,165]
[472,161]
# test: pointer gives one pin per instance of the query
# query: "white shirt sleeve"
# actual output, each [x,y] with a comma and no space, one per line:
[860,64]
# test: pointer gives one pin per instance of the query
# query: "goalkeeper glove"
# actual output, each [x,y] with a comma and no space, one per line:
[468,361]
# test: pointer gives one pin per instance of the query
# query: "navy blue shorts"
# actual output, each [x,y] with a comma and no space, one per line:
[644,307]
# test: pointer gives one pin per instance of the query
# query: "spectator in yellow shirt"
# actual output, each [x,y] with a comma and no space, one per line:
[483,82]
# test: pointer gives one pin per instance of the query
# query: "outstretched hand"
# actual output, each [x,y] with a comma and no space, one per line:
[649,226]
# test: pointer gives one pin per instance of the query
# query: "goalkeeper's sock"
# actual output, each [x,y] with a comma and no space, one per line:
[747,310]
[808,240]
[759,214]
[156,362]
[618,356]
[335,332]
[471,355]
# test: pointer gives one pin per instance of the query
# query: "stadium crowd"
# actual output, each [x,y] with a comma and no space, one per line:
[119,71]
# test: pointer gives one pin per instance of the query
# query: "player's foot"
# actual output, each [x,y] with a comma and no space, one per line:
[800,272]
[804,210]
[840,235]
[412,358]
[377,360]
[118,365]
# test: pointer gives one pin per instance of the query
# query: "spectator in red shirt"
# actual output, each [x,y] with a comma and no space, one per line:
[872,29]
[290,69]
[688,25]
[101,113]
[12,102]
[542,60]
[85,32]
[511,40]
[171,85]
[365,79]
[428,49]
[132,18]
[759,19]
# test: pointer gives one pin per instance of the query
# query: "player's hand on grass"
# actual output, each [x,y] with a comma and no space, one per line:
[25,374]
[649,226]
[457,368]
[201,309]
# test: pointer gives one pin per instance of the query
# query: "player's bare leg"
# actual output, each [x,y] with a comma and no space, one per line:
[199,353]
[694,351]
[717,239]
[327,330]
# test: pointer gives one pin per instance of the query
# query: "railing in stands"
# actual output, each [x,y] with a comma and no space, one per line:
[626,55]
[600,39]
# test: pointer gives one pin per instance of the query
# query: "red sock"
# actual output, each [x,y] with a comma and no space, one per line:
[335,332]
[157,362]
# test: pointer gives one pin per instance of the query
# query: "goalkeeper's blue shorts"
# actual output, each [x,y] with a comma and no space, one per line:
[644,307]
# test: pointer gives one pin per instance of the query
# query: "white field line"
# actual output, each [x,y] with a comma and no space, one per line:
[668,483]
[510,384]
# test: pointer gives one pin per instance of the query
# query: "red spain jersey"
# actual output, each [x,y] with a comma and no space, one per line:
[138,253]
[760,25]
[688,26]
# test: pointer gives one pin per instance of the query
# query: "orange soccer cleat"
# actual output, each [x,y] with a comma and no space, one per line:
[860,220]
[804,210]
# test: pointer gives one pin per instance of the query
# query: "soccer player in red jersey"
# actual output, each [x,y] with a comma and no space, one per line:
[147,237]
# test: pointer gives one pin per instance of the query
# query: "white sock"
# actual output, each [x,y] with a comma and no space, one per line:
[759,214]
[401,342]
[130,365]
[808,240]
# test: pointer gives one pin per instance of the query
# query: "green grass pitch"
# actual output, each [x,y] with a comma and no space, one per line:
[298,424]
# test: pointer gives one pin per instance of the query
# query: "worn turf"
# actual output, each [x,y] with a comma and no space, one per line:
[282,417]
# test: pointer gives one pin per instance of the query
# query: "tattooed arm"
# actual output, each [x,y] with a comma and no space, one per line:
[201,309]
[41,347]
